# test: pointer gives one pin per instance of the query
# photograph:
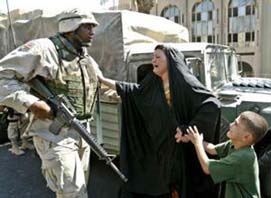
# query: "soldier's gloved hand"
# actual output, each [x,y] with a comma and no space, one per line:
[41,110]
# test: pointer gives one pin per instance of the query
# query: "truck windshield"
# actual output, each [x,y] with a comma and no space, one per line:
[232,66]
[216,61]
[196,67]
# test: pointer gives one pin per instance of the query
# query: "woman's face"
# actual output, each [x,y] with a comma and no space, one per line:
[159,62]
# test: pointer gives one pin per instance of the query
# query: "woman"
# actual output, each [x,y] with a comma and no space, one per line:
[169,99]
[263,150]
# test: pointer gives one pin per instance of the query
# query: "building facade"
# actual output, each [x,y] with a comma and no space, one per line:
[242,24]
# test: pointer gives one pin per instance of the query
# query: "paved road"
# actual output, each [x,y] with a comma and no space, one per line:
[20,176]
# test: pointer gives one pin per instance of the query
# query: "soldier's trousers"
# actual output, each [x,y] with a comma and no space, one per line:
[63,166]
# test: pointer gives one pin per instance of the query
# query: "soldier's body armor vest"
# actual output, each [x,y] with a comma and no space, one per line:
[76,78]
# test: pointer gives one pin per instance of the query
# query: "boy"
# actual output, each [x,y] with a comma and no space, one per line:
[237,164]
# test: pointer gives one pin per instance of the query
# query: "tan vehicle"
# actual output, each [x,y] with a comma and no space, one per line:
[115,38]
[123,46]
[215,65]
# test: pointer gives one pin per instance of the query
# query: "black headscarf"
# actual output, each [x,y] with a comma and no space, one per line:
[149,155]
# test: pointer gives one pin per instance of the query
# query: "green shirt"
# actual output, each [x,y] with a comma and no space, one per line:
[238,168]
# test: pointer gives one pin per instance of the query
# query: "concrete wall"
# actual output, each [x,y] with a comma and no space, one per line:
[265,42]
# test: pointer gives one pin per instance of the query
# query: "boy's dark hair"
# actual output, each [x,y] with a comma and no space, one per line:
[255,124]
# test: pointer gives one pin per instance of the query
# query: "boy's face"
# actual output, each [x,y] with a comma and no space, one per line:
[237,130]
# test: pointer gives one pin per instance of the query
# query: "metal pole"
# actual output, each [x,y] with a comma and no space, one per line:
[156,7]
[11,26]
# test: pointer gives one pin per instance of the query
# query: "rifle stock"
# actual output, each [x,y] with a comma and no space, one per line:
[65,115]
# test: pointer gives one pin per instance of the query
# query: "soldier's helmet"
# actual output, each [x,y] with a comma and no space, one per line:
[70,20]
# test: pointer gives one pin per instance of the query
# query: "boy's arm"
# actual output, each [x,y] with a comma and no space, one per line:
[197,139]
[203,158]
[209,148]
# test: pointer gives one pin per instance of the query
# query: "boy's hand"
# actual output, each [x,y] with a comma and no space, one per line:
[194,136]
[180,137]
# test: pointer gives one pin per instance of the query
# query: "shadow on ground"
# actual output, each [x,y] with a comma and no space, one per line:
[20,176]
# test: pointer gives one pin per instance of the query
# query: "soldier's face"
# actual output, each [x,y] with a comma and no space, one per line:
[85,32]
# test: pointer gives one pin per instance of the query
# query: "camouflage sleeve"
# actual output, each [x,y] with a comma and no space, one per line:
[16,68]
[15,94]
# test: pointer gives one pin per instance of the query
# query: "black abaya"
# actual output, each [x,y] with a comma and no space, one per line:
[150,157]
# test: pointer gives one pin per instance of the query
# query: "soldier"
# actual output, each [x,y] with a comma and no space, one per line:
[65,68]
[17,125]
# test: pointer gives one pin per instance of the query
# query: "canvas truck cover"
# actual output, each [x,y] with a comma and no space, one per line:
[114,37]
[120,30]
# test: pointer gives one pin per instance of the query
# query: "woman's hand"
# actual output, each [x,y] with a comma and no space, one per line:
[100,76]
[180,137]
[41,110]
[111,84]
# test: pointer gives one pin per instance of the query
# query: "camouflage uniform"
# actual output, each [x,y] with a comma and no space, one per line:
[13,132]
[18,124]
[65,156]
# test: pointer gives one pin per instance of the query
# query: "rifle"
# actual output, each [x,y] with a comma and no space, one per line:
[63,116]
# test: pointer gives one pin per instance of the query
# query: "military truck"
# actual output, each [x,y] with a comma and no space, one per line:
[216,66]
[123,46]
[114,38]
